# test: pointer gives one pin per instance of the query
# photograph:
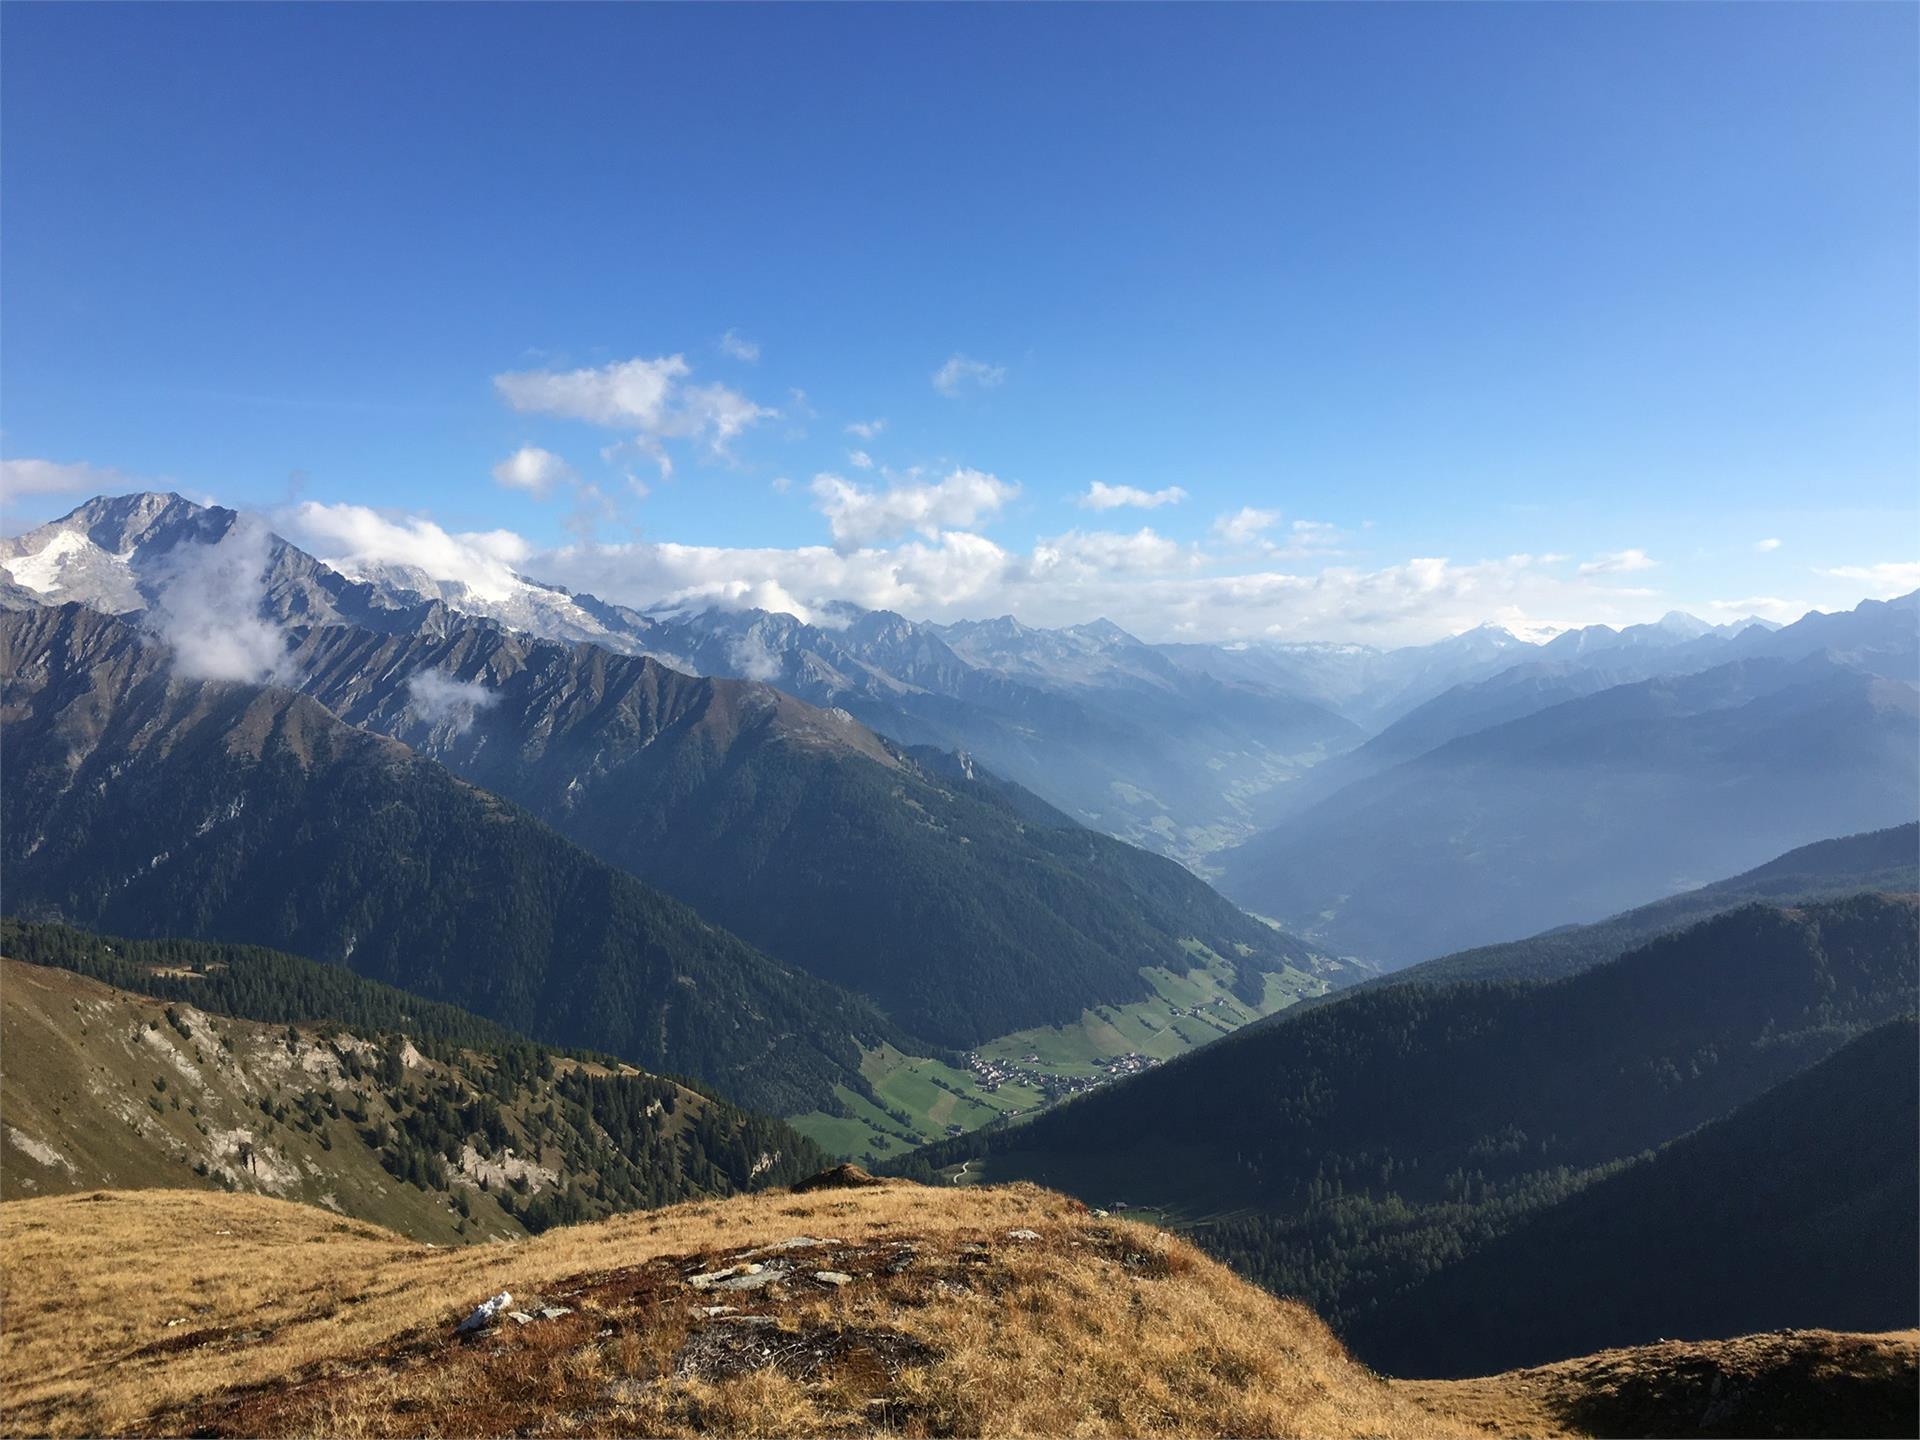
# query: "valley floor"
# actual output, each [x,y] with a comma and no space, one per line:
[922,1099]
[885,1308]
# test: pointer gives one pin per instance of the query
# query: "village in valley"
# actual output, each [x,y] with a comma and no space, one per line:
[991,1074]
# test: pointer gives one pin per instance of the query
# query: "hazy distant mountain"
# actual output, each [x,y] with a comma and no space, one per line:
[1090,718]
[965,908]
[1878,636]
[1589,806]
[1881,861]
[139,802]
[1368,686]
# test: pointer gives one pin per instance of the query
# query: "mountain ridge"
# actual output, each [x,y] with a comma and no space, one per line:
[144,803]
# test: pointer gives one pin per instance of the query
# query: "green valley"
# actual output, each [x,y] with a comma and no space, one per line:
[918,1099]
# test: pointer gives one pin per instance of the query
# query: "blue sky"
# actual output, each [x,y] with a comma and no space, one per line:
[1588,302]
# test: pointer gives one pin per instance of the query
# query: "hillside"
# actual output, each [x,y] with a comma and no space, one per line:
[965,907]
[1342,1154]
[1796,1210]
[441,1142]
[1588,807]
[940,1316]
[141,803]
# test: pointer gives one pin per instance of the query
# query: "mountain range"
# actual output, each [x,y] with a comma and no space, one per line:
[964,906]
[1593,804]
[147,804]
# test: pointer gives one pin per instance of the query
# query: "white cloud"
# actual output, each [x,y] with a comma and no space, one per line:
[1083,552]
[860,460]
[959,372]
[1620,562]
[1152,586]
[648,397]
[1763,546]
[438,699]
[208,608]
[1884,581]
[753,657]
[637,393]
[949,574]
[860,517]
[1102,496]
[532,469]
[866,429]
[736,346]
[1245,525]
[353,538]
[54,477]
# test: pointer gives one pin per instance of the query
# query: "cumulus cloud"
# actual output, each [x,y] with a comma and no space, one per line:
[860,516]
[1763,546]
[1083,552]
[738,347]
[960,373]
[866,429]
[55,477]
[1150,585]
[650,398]
[1102,496]
[355,540]
[948,574]
[1245,525]
[860,460]
[437,699]
[208,607]
[1883,581]
[1620,562]
[532,469]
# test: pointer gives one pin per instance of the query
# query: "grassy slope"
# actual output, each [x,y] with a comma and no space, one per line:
[287,1321]
[1787,1382]
[1185,1011]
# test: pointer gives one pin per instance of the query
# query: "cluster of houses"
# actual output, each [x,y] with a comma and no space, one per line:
[991,1074]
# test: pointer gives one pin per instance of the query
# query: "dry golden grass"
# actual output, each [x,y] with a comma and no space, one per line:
[171,1312]
[1787,1382]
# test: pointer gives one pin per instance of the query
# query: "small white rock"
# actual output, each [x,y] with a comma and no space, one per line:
[1023,1235]
[832,1277]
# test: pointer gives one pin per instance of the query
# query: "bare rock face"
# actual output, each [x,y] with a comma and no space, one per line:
[840,1177]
